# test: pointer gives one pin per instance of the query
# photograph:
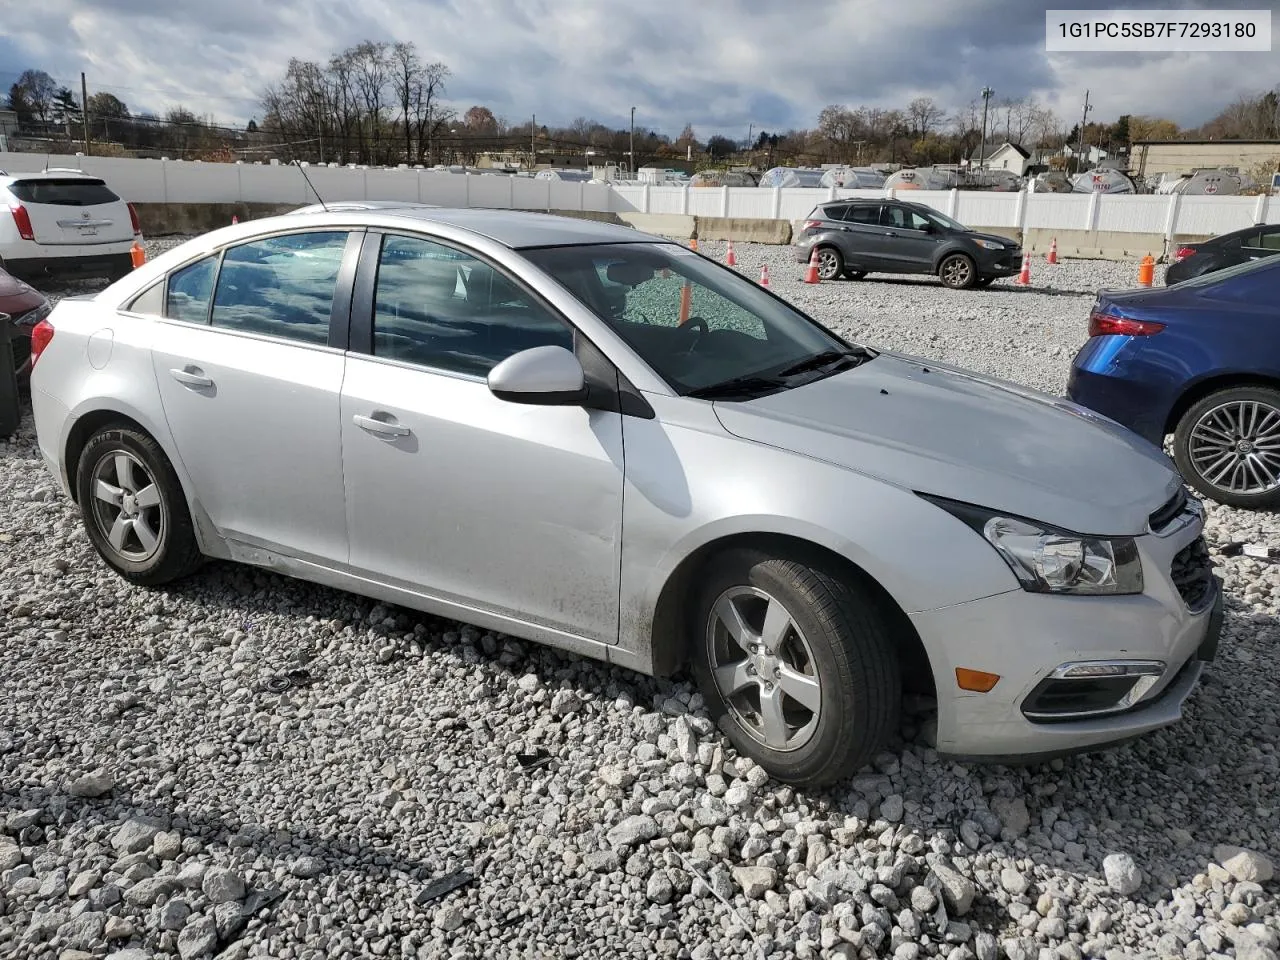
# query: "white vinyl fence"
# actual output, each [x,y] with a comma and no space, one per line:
[1168,214]
[177,181]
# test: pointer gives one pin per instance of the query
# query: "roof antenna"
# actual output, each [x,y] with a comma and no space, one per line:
[302,170]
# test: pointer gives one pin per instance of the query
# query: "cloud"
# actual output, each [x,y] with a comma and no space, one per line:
[719,66]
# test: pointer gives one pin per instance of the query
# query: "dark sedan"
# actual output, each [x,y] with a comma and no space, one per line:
[1199,360]
[25,306]
[856,237]
[1252,243]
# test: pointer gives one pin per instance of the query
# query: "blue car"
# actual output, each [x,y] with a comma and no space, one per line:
[1199,360]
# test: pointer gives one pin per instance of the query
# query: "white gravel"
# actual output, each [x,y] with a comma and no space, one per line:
[157,798]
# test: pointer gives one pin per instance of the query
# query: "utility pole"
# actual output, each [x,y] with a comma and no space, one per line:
[84,110]
[750,130]
[533,148]
[1084,118]
[631,157]
[982,152]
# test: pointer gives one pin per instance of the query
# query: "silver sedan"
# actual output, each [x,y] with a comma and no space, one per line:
[579,434]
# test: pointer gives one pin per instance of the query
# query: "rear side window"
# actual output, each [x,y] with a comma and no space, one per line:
[190,290]
[69,192]
[281,286]
[834,211]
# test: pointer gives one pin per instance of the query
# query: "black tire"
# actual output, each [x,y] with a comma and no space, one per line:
[851,274]
[836,635]
[1193,449]
[174,552]
[958,271]
[830,263]
[983,282]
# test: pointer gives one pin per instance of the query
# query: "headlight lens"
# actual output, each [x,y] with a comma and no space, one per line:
[988,244]
[1048,560]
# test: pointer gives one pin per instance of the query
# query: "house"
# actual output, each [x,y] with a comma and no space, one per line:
[8,124]
[1006,156]
[1151,157]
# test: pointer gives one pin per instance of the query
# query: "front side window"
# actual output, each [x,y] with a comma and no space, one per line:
[281,286]
[902,219]
[439,307]
[696,324]
[189,291]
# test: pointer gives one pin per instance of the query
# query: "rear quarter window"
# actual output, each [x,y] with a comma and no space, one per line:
[75,192]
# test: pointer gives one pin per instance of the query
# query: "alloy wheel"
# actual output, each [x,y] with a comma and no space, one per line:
[764,668]
[828,264]
[127,506]
[1235,447]
[956,271]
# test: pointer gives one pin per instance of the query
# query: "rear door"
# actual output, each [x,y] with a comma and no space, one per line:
[250,376]
[906,244]
[73,210]
[862,237]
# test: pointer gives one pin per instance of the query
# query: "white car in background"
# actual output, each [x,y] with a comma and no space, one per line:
[64,222]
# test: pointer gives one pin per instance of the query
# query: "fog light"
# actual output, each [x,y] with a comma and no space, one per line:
[1082,689]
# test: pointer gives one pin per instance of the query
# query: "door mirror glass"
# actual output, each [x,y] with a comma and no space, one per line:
[546,376]
[924,226]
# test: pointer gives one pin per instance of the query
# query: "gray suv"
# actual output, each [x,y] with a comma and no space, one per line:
[857,237]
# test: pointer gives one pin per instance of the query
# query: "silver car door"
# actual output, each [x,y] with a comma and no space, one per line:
[478,502]
[250,387]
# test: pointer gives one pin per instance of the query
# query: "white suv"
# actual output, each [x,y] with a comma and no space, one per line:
[64,222]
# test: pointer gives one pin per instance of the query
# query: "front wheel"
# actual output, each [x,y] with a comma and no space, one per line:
[796,664]
[1227,446]
[133,507]
[957,272]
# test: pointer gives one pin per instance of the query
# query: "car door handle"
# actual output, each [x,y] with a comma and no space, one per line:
[380,427]
[190,376]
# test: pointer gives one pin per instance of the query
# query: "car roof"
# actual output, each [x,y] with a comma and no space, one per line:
[519,229]
[53,173]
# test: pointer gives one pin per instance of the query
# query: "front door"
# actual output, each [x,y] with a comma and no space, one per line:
[512,509]
[906,243]
[250,389]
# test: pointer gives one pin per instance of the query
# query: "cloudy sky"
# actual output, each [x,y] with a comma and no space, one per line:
[718,64]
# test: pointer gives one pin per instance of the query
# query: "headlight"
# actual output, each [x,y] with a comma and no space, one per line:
[988,244]
[1048,560]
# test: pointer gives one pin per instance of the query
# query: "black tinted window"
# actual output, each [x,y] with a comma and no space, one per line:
[443,308]
[902,218]
[833,211]
[864,213]
[189,291]
[71,192]
[281,286]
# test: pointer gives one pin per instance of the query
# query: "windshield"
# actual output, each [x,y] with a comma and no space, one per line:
[945,221]
[733,329]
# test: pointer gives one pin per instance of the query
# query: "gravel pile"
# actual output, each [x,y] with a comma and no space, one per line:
[245,765]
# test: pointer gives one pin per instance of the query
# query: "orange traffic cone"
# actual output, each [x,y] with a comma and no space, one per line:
[1024,278]
[1053,251]
[1146,270]
[686,303]
[731,258]
[811,271]
[764,275]
[137,254]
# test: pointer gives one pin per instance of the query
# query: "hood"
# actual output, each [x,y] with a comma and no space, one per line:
[993,237]
[937,429]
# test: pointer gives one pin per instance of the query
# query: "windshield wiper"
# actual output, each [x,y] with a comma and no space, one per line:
[823,359]
[745,387]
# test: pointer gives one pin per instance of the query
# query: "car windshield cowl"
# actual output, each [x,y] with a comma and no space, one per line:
[832,360]
[750,386]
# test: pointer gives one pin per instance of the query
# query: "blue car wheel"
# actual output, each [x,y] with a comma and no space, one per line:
[1227,446]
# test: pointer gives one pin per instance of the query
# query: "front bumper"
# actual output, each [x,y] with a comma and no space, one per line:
[1001,264]
[1023,636]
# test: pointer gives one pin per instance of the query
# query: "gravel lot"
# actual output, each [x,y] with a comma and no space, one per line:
[160,795]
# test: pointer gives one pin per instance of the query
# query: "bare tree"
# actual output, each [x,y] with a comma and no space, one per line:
[429,114]
[406,81]
[924,114]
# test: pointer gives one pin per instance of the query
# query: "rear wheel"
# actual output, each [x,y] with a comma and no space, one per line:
[796,664]
[133,507]
[1227,446]
[830,263]
[957,272]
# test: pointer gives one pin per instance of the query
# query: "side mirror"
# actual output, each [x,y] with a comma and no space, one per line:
[546,376]
[927,228]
